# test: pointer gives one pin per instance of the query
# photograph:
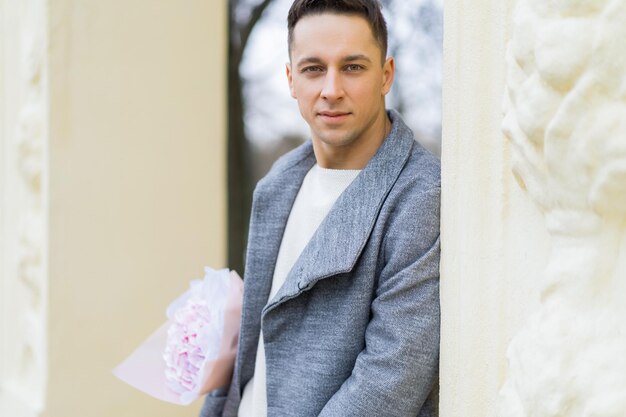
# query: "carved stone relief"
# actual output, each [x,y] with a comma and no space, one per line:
[25,207]
[565,116]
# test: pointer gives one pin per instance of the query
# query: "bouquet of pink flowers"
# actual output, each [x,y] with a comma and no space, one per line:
[194,351]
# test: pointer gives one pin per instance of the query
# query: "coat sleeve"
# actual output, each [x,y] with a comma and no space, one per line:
[398,367]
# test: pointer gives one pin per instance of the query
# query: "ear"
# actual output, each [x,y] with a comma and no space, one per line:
[388,74]
[290,79]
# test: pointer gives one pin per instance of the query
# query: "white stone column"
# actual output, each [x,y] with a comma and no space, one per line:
[533,224]
[23,207]
[566,118]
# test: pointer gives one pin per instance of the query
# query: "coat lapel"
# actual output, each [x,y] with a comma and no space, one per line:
[272,202]
[336,245]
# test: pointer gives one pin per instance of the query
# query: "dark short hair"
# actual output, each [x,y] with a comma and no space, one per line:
[370,10]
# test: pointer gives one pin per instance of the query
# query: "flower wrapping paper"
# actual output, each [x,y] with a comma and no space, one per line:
[194,351]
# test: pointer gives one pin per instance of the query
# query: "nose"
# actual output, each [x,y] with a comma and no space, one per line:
[332,90]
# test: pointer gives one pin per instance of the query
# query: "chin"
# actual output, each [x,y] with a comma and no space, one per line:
[336,140]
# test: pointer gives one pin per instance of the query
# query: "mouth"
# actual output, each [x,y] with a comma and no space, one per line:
[333,116]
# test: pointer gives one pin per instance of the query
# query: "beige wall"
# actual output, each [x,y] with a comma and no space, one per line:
[137,185]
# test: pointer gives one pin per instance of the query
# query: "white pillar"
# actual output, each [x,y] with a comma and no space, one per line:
[566,118]
[533,234]
[23,207]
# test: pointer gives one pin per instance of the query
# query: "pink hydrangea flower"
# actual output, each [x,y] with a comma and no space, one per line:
[187,346]
[194,351]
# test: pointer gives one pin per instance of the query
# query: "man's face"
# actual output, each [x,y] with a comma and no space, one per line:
[337,76]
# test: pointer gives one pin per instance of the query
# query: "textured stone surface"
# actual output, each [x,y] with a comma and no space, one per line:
[24,206]
[566,118]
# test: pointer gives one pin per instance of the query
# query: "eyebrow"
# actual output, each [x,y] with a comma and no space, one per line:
[349,58]
[309,60]
[357,57]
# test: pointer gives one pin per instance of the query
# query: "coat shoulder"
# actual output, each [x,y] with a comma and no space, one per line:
[422,171]
[291,159]
[412,208]
[418,185]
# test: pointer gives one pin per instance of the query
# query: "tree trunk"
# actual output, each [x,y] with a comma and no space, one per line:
[239,169]
[239,189]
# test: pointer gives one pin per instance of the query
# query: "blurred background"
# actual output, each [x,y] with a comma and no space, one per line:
[264,121]
[131,136]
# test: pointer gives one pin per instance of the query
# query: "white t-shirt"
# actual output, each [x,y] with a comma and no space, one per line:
[317,195]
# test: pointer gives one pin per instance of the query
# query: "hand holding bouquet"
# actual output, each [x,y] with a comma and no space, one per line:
[194,351]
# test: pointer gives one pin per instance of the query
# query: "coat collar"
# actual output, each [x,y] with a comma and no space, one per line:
[336,245]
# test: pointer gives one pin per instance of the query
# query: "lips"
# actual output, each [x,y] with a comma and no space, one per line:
[333,117]
[333,114]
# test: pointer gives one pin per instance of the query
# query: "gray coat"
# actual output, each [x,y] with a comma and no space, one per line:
[354,330]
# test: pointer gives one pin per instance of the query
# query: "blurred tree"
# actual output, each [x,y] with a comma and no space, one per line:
[416,41]
[243,15]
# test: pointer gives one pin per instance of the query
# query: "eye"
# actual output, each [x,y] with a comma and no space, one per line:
[354,67]
[311,69]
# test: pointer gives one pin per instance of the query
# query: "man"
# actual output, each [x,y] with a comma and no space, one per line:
[341,296]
